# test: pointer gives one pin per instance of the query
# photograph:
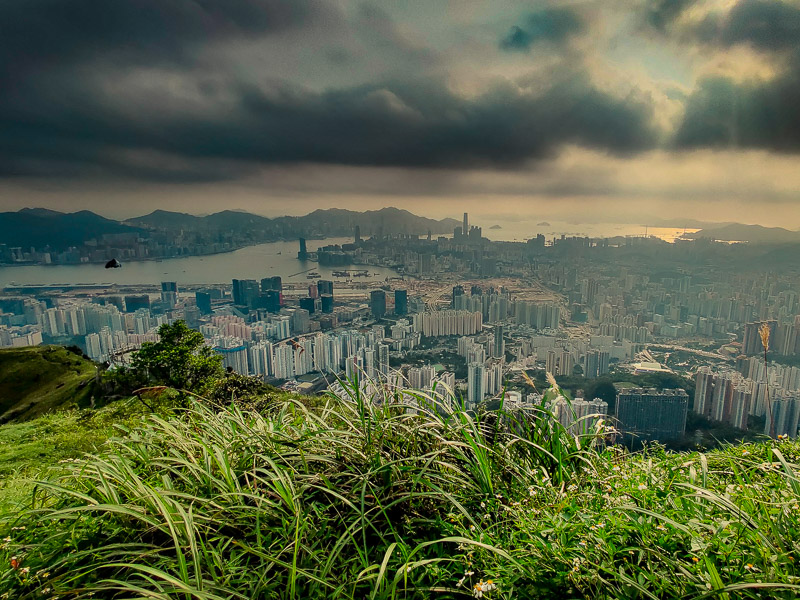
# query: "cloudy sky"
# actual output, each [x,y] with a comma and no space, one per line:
[622,110]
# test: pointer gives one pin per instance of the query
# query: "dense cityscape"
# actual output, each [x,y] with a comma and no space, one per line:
[470,315]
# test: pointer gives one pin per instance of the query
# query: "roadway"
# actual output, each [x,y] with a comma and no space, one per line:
[705,354]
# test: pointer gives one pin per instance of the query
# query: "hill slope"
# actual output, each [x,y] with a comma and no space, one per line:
[36,380]
[39,228]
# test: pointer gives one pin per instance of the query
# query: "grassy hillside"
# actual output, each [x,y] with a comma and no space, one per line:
[34,450]
[352,500]
[36,380]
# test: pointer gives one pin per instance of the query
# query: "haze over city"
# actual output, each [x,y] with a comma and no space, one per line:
[586,110]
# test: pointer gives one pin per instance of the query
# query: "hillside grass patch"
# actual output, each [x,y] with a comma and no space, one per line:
[358,499]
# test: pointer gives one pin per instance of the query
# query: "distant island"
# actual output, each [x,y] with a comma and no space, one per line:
[543,224]
[754,234]
[495,227]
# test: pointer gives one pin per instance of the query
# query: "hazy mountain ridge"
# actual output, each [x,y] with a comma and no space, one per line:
[41,227]
[329,221]
[756,234]
[47,228]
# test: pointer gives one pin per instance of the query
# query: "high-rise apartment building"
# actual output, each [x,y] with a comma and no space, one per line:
[458,290]
[703,391]
[476,384]
[650,414]
[751,338]
[596,363]
[499,345]
[383,359]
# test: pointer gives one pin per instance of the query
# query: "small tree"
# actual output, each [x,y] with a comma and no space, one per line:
[180,359]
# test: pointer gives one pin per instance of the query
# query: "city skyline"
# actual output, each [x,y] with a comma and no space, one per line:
[615,111]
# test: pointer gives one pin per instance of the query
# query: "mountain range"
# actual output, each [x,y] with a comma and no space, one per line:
[332,221]
[38,227]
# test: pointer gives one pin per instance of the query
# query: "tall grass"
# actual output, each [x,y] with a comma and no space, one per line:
[402,497]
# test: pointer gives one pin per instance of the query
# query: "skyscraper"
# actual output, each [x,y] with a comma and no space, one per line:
[377,303]
[245,292]
[458,290]
[271,300]
[307,304]
[425,264]
[203,301]
[325,287]
[169,293]
[400,302]
[465,227]
[272,283]
[303,254]
[236,291]
[136,301]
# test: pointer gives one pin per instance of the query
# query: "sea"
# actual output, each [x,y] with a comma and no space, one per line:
[280,258]
[521,230]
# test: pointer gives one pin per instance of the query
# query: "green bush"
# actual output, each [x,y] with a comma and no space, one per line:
[180,359]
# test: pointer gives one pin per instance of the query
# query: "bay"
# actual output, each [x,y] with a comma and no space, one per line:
[253,262]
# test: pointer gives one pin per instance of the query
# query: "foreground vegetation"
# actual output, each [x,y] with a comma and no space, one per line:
[352,499]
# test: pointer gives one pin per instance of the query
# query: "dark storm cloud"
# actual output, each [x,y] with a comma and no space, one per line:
[723,113]
[411,124]
[554,25]
[118,88]
[41,34]
[376,25]
[770,25]
[661,13]
[766,25]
